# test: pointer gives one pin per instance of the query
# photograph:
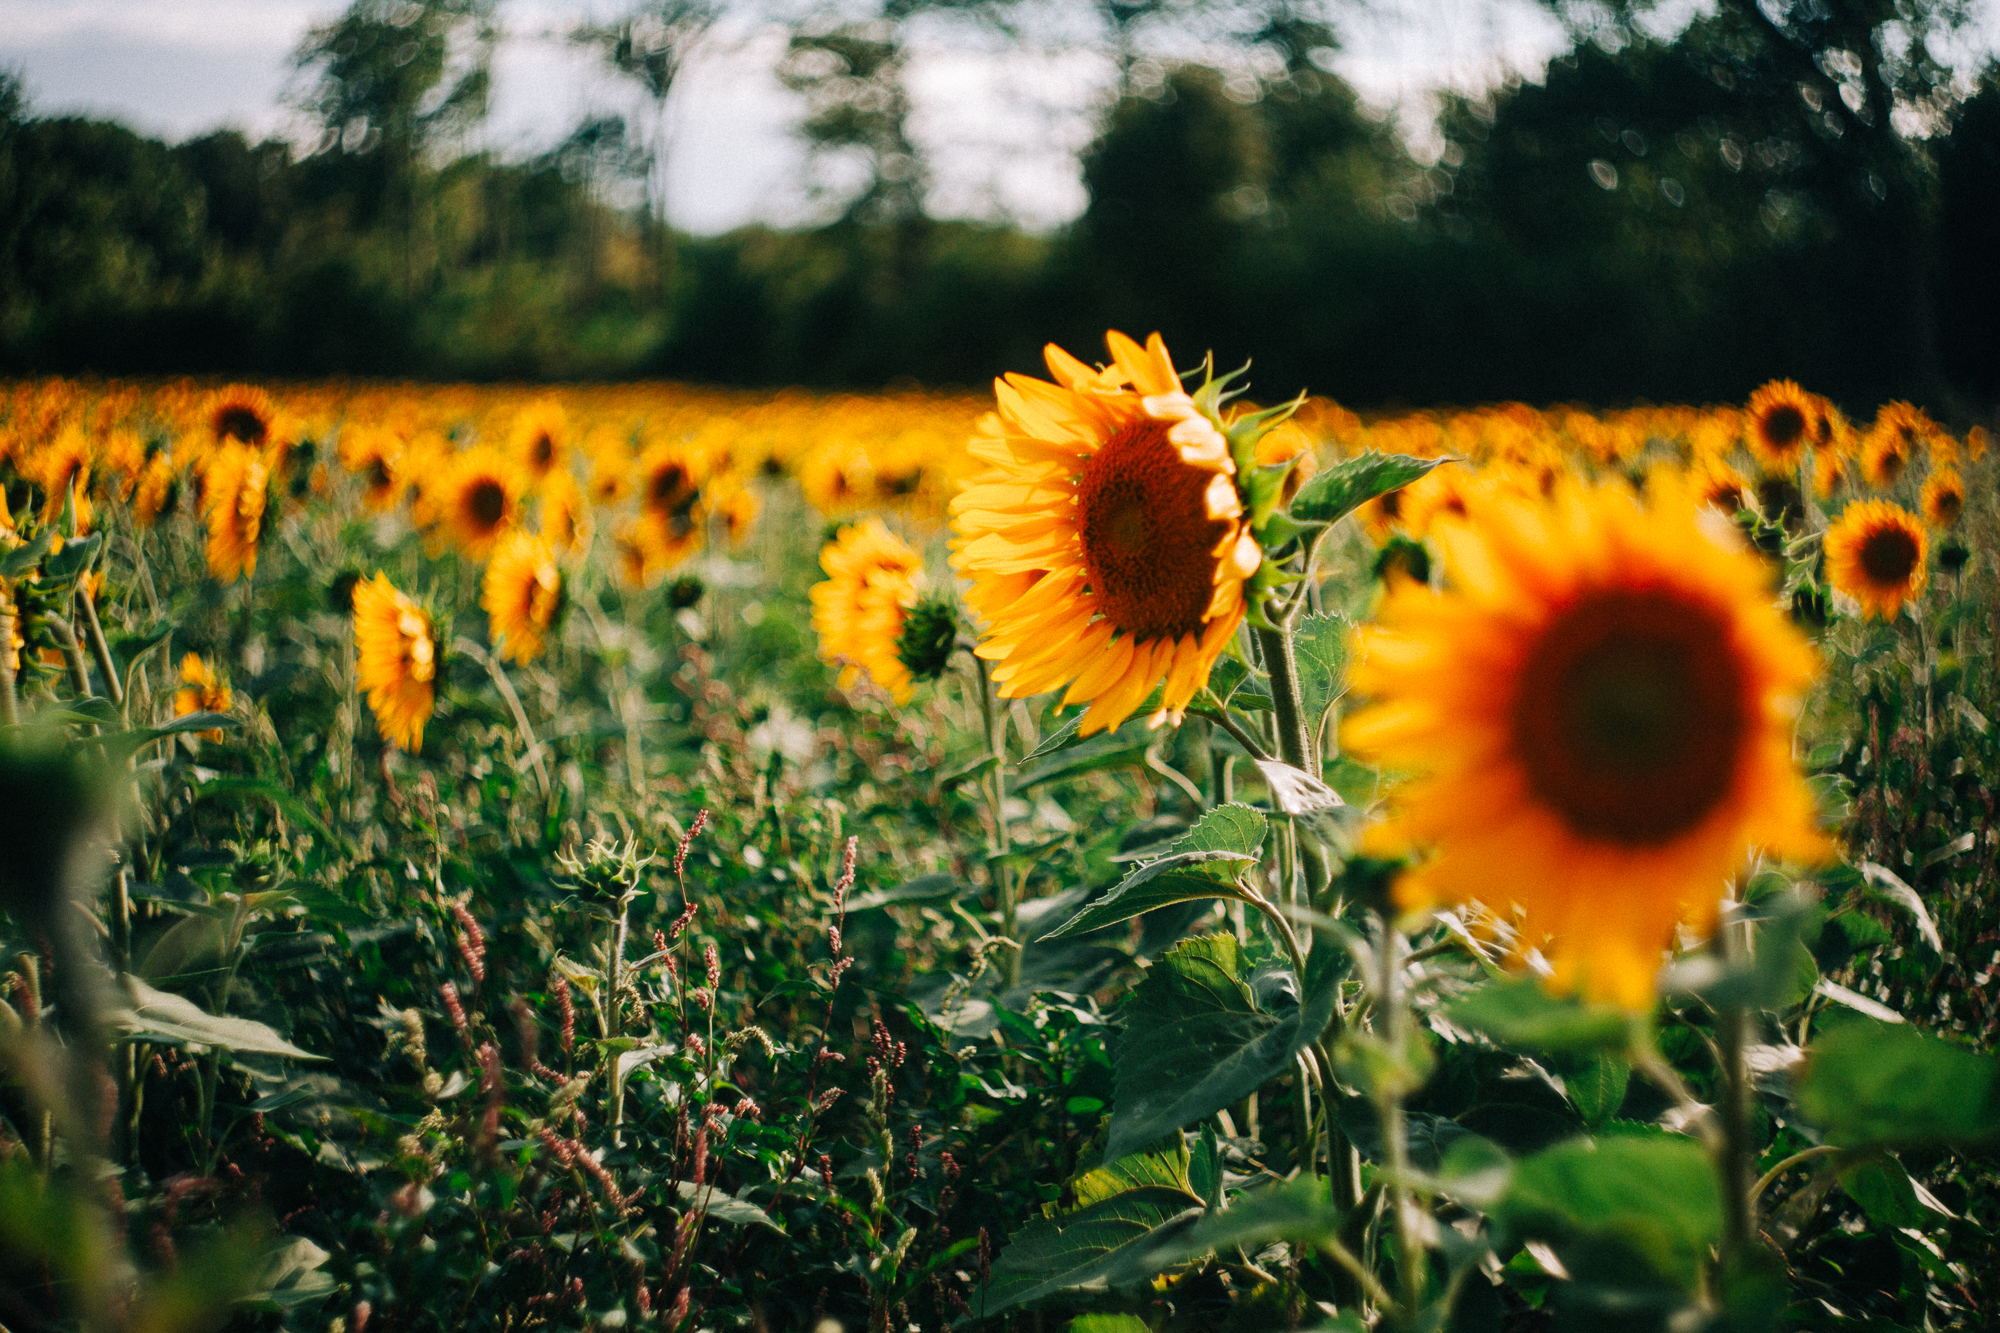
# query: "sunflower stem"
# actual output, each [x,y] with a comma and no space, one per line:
[9,711]
[93,630]
[506,688]
[995,790]
[1392,1013]
[1732,1145]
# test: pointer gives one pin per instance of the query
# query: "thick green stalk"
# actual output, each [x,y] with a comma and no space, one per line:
[995,789]
[93,630]
[9,711]
[1394,1017]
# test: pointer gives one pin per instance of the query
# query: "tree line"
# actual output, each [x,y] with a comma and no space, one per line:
[1800,190]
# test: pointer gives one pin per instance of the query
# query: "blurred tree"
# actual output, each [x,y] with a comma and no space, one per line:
[394,79]
[651,46]
[1810,119]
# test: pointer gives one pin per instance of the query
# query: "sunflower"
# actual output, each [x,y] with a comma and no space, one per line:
[1876,554]
[235,488]
[374,454]
[873,578]
[565,514]
[1899,433]
[1716,483]
[539,438]
[1944,497]
[1601,713]
[671,514]
[239,414]
[397,651]
[202,691]
[156,490]
[1106,546]
[479,500]
[1781,424]
[522,594]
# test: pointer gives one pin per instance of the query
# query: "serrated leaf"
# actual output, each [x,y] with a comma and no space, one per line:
[1319,643]
[1346,486]
[1872,1084]
[171,1020]
[1081,1249]
[1195,1040]
[1205,862]
[1597,1089]
[1656,1195]
[1179,878]
[1227,828]
[1520,1013]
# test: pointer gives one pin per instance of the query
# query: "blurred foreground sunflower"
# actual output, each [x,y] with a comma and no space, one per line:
[1876,554]
[396,650]
[1600,710]
[1106,545]
[522,594]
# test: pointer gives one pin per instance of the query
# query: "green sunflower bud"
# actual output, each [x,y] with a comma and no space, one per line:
[928,637]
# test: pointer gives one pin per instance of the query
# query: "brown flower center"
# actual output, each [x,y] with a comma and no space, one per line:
[1630,715]
[1889,556]
[671,490]
[241,423]
[1947,505]
[1148,541]
[1783,426]
[486,501]
[542,452]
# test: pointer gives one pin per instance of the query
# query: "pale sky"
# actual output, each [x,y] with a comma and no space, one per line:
[1001,132]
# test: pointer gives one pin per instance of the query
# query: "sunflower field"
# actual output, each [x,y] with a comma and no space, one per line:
[1108,856]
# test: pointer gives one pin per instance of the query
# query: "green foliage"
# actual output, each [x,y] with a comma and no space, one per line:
[1866,1084]
[1198,1037]
[1653,1194]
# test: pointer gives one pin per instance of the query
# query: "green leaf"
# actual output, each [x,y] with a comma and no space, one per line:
[22,559]
[934,887]
[1520,1013]
[1205,862]
[1867,1084]
[1885,886]
[1885,1192]
[1597,1089]
[1320,645]
[1108,1323]
[1657,1195]
[1117,749]
[1195,1039]
[277,796]
[193,722]
[1178,878]
[1082,1248]
[170,1020]
[1345,487]
[1061,738]
[1295,1210]
[73,559]
[725,1207]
